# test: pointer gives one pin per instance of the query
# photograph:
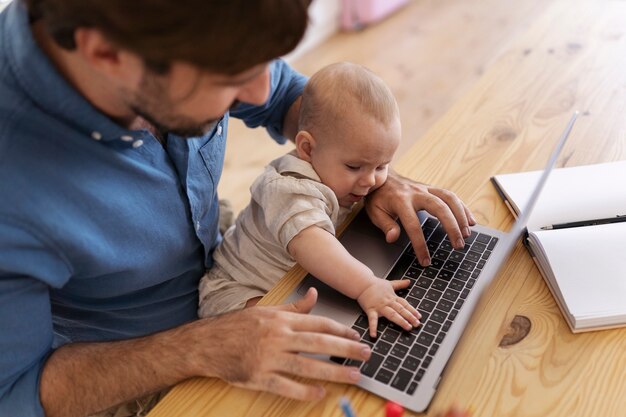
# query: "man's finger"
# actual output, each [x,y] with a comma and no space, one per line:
[313,368]
[413,228]
[303,305]
[385,222]
[326,345]
[458,211]
[318,324]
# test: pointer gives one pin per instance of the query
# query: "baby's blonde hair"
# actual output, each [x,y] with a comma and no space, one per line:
[338,88]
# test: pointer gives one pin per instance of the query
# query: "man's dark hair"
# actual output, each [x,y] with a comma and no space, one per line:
[222,36]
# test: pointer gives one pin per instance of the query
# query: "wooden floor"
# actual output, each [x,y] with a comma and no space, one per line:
[430,52]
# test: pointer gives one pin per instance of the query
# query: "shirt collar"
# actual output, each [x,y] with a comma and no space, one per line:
[290,163]
[46,87]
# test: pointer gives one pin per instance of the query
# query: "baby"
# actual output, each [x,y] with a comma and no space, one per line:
[349,130]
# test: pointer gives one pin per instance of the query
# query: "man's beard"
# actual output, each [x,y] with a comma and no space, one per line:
[177,126]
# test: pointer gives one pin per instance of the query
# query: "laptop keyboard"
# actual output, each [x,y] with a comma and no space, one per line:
[400,358]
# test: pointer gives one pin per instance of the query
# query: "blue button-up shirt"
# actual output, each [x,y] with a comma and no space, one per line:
[104,233]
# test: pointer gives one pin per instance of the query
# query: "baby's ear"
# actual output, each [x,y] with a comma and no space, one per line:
[304,145]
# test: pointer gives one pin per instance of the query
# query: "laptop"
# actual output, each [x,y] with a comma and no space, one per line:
[406,367]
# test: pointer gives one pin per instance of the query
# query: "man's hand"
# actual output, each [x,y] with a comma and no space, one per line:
[256,348]
[401,198]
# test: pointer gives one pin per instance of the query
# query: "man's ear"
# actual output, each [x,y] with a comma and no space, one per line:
[305,143]
[106,57]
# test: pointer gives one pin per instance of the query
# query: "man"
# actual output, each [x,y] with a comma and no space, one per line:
[113,119]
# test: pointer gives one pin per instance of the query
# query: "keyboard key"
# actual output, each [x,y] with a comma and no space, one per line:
[456,256]
[441,254]
[459,303]
[468,265]
[337,360]
[419,375]
[359,330]
[433,295]
[369,339]
[439,284]
[427,361]
[426,305]
[402,379]
[483,238]
[390,335]
[412,272]
[440,337]
[446,245]
[411,363]
[425,338]
[450,294]
[470,239]
[453,314]
[486,254]
[362,322]
[402,293]
[438,316]
[433,349]
[382,347]
[424,282]
[413,301]
[471,282]
[432,327]
[430,272]
[436,263]
[432,246]
[478,247]
[438,234]
[445,274]
[418,351]
[457,285]
[370,367]
[464,294]
[417,291]
[431,222]
[445,305]
[399,350]
[384,376]
[446,325]
[472,256]
[462,275]
[407,338]
[412,388]
[354,362]
[476,273]
[391,363]
[492,244]
[481,264]
[451,265]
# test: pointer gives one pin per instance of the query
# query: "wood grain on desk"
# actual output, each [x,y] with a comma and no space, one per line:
[573,57]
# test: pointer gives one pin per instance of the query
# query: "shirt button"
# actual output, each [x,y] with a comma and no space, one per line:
[219,130]
[126,138]
[137,143]
[96,135]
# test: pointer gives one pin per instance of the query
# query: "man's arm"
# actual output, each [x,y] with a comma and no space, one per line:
[400,198]
[255,348]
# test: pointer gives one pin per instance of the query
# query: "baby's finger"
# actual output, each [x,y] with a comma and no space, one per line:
[396,317]
[409,313]
[409,307]
[399,284]
[372,317]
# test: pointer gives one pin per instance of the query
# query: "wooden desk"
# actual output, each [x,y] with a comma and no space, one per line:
[573,57]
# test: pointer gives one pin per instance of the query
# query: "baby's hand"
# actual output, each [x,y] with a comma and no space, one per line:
[380,299]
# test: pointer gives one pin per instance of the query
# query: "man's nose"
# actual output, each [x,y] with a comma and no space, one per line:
[257,90]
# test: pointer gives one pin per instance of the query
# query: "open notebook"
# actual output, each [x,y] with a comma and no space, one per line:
[584,266]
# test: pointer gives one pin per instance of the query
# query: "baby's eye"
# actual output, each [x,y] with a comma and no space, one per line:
[352,167]
[381,168]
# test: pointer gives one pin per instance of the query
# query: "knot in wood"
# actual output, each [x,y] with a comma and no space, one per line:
[517,331]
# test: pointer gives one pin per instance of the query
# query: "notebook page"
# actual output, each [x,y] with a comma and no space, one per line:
[589,266]
[571,194]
